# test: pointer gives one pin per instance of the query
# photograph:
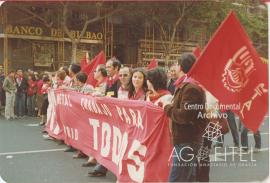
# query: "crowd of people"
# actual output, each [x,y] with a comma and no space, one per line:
[26,93]
[21,93]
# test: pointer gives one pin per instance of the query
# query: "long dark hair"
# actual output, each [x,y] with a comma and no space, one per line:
[158,78]
[131,89]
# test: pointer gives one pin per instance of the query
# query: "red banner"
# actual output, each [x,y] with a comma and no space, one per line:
[84,61]
[230,68]
[153,64]
[130,138]
[91,67]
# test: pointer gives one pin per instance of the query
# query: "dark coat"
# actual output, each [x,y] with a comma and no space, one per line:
[22,88]
[113,90]
[187,127]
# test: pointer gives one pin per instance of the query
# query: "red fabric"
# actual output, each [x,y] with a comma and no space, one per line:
[153,64]
[45,88]
[138,96]
[154,97]
[106,127]
[232,71]
[91,67]
[197,52]
[112,80]
[84,62]
[31,86]
[179,81]
[39,87]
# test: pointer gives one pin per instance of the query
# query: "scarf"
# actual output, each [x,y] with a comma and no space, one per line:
[154,97]
[138,95]
[112,80]
[185,79]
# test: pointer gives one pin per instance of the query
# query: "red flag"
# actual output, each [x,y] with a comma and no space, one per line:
[84,61]
[233,72]
[153,64]
[91,67]
[197,52]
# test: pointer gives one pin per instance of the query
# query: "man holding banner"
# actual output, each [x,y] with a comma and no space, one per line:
[187,128]
[112,66]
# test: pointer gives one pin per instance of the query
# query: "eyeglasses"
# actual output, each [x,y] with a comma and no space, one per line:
[123,75]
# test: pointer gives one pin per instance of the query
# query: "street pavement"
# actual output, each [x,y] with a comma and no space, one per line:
[26,157]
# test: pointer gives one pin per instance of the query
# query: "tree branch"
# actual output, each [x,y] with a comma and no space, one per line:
[182,14]
[64,22]
[95,19]
[43,20]
[163,33]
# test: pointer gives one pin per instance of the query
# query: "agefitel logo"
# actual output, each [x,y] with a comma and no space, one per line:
[213,132]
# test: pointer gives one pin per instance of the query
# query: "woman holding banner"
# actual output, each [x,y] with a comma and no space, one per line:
[137,85]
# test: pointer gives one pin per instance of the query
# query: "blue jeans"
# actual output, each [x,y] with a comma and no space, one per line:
[31,105]
[184,163]
[20,104]
[244,138]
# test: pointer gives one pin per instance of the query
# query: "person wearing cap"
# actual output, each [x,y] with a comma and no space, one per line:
[186,127]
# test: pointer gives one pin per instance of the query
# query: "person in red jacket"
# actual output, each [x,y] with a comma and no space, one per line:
[31,95]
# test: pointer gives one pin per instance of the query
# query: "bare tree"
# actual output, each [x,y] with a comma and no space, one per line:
[44,18]
[47,19]
[98,17]
[169,28]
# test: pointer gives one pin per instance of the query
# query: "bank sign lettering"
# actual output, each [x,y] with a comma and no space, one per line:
[57,33]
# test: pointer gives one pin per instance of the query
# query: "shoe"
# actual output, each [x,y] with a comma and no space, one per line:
[89,163]
[96,174]
[41,124]
[243,149]
[60,142]
[47,137]
[79,155]
[14,117]
[237,149]
[256,150]
[69,149]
